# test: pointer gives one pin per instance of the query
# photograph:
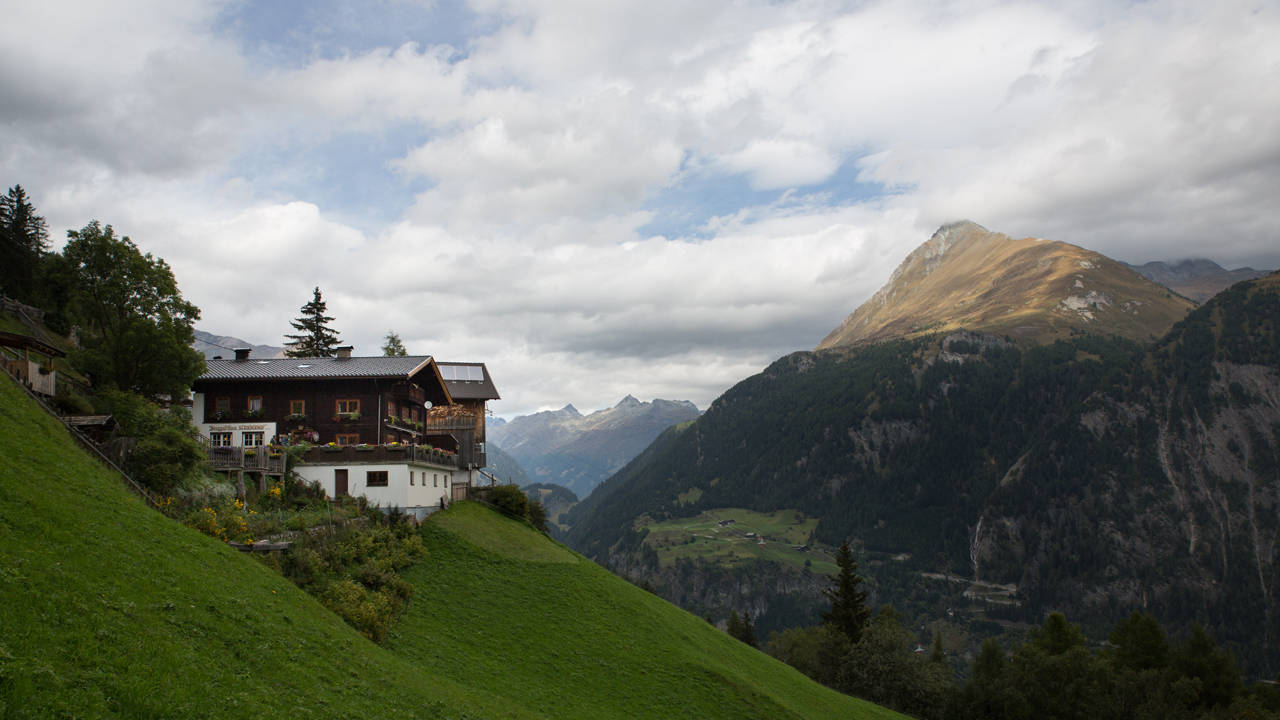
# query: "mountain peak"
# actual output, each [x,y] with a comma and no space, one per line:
[570,409]
[965,277]
[628,401]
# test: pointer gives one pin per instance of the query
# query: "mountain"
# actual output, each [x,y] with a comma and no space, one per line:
[984,482]
[502,466]
[579,452]
[213,345]
[966,276]
[110,609]
[1198,279]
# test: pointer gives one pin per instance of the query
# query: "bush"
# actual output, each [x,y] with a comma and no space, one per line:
[72,404]
[165,459]
[511,500]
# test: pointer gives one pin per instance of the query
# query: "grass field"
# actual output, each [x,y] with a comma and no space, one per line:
[534,622]
[704,537]
[108,609]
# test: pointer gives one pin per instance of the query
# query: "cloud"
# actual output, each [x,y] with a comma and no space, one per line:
[484,187]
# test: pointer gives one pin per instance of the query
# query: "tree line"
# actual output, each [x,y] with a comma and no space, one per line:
[1139,674]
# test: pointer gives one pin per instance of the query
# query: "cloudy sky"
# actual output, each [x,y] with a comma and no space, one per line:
[655,197]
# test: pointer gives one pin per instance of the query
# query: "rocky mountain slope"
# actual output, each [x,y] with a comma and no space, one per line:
[1198,279]
[1090,475]
[967,277]
[213,345]
[578,452]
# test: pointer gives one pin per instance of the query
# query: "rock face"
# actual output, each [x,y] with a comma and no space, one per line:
[1198,279]
[967,277]
[579,452]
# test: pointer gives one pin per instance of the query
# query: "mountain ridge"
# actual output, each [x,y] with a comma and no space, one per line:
[579,451]
[1034,290]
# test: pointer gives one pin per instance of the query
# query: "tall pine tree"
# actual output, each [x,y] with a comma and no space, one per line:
[317,339]
[849,612]
[24,238]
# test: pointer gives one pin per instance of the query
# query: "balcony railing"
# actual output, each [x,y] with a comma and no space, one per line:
[254,459]
[433,425]
[378,454]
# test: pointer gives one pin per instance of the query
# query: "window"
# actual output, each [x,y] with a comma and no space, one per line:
[222,405]
[255,404]
[348,406]
[404,413]
[377,478]
[297,407]
[351,439]
[435,480]
[391,408]
[252,439]
[410,477]
[220,439]
[414,415]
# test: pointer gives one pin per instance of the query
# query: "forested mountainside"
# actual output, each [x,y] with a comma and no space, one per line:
[1096,475]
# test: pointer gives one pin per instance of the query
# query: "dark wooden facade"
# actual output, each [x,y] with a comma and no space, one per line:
[320,400]
[392,404]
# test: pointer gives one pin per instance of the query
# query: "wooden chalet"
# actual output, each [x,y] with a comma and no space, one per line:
[410,416]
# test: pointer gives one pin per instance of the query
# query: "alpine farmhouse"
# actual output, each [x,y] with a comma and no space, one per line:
[402,431]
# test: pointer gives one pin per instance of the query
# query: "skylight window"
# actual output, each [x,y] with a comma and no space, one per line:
[303,366]
[264,362]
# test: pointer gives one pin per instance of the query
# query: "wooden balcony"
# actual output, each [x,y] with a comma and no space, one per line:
[378,455]
[257,459]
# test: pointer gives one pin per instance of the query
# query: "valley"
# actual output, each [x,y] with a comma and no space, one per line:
[984,479]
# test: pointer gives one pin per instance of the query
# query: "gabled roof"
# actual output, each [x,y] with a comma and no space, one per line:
[465,384]
[404,366]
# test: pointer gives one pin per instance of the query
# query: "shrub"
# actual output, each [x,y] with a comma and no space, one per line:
[165,459]
[72,404]
[511,500]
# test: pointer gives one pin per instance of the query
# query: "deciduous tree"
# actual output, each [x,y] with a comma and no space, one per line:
[140,328]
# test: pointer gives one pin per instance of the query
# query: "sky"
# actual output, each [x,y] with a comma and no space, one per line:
[656,198]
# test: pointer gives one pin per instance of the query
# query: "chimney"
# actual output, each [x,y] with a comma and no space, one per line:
[243,353]
[344,352]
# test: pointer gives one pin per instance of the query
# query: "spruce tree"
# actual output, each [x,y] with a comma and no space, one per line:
[749,631]
[734,628]
[317,339]
[24,239]
[392,347]
[849,612]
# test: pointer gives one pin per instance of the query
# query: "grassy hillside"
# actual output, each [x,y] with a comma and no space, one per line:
[108,609]
[499,606]
[703,537]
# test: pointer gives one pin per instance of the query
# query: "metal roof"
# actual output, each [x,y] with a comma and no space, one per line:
[469,389]
[315,368]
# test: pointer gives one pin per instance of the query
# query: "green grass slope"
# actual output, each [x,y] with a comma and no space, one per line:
[501,607]
[108,609]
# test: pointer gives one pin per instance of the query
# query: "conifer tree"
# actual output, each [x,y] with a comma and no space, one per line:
[24,238]
[392,347]
[849,612]
[317,339]
[734,628]
[749,631]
